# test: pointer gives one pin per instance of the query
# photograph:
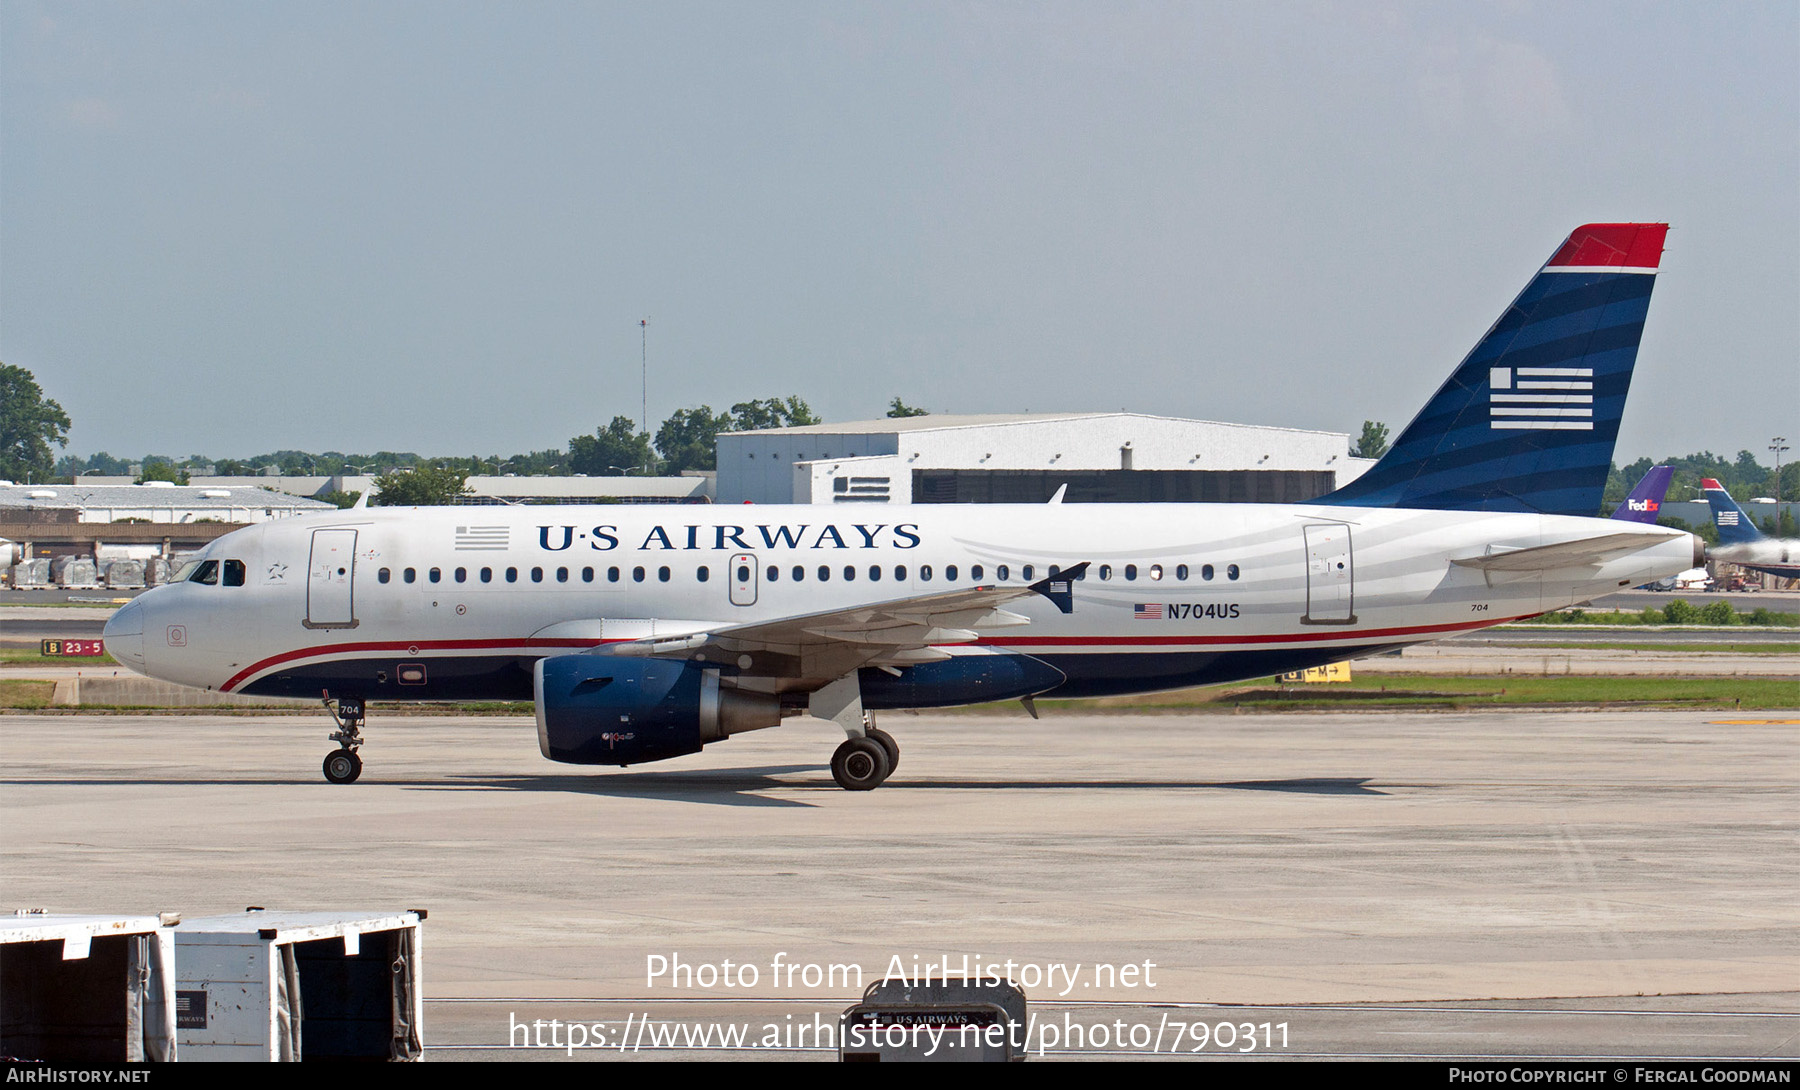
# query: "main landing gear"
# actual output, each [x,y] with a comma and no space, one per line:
[863,763]
[342,765]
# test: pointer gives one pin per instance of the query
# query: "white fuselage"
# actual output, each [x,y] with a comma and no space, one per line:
[452,603]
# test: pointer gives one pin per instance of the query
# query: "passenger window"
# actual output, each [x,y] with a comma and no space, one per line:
[612,575]
[637,575]
[774,574]
[1105,572]
[1206,571]
[383,575]
[899,573]
[562,575]
[487,575]
[799,573]
[950,572]
[1002,573]
[537,575]
[234,573]
[662,575]
[512,575]
[462,575]
[587,575]
[1155,572]
[703,575]
[975,572]
[1025,573]
[824,573]
[743,573]
[925,573]
[409,575]
[435,575]
[849,572]
[1181,572]
[1231,571]
[874,573]
[1130,571]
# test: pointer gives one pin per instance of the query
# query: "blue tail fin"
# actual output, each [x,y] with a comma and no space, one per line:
[1645,502]
[1734,526]
[1527,421]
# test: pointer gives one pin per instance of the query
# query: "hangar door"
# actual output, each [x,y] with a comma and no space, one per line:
[330,580]
[1330,575]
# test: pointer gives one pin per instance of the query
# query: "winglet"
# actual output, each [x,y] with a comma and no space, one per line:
[1061,490]
[1060,587]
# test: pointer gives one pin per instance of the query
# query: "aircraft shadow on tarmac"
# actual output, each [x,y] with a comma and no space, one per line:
[737,787]
[732,787]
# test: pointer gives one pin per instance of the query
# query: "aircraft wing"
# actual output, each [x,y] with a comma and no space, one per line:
[1567,554]
[830,644]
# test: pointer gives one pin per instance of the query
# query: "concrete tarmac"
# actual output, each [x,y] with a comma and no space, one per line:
[1637,865]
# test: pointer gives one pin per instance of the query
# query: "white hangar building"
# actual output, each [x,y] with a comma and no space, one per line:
[1101,457]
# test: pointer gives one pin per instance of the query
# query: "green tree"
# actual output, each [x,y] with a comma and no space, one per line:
[29,424]
[162,469]
[774,412]
[1374,441]
[611,451]
[898,408]
[686,439]
[423,485]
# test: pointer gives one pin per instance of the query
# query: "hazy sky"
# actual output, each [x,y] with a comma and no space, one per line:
[230,228]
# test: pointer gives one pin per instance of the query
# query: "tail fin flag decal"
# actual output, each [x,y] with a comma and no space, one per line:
[1528,420]
[1645,502]
[1734,526]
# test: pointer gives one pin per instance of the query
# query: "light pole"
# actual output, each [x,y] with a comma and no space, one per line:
[1778,444]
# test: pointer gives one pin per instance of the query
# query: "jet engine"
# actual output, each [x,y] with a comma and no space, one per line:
[601,710]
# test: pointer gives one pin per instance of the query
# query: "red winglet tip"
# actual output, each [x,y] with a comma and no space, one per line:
[1613,245]
[1708,482]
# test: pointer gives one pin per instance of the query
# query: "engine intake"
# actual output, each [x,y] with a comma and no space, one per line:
[601,710]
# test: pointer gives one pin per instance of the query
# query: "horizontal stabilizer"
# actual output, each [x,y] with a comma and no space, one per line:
[1567,554]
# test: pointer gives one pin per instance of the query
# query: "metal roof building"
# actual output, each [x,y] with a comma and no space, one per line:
[156,502]
[1014,458]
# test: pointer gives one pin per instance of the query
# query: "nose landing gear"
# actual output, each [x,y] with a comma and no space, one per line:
[343,765]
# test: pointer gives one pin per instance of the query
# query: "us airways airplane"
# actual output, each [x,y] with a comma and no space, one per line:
[643,633]
[1741,543]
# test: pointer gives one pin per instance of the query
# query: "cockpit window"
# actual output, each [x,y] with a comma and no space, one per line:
[234,573]
[207,572]
[185,571]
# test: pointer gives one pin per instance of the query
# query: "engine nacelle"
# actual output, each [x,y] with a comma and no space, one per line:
[601,710]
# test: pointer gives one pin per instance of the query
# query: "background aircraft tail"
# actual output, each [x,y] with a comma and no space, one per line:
[1645,502]
[1528,420]
[1734,526]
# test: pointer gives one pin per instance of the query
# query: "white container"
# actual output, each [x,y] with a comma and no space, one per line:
[87,989]
[299,985]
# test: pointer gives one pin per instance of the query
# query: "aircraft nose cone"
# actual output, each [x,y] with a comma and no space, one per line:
[124,634]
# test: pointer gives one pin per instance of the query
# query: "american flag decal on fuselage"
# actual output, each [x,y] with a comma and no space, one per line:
[481,539]
[1555,398]
[1152,611]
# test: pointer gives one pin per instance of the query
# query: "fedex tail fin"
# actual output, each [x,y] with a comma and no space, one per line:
[1645,502]
[1527,421]
[1734,526]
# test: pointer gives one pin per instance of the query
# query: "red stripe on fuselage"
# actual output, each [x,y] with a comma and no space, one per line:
[399,645]
[1358,634]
